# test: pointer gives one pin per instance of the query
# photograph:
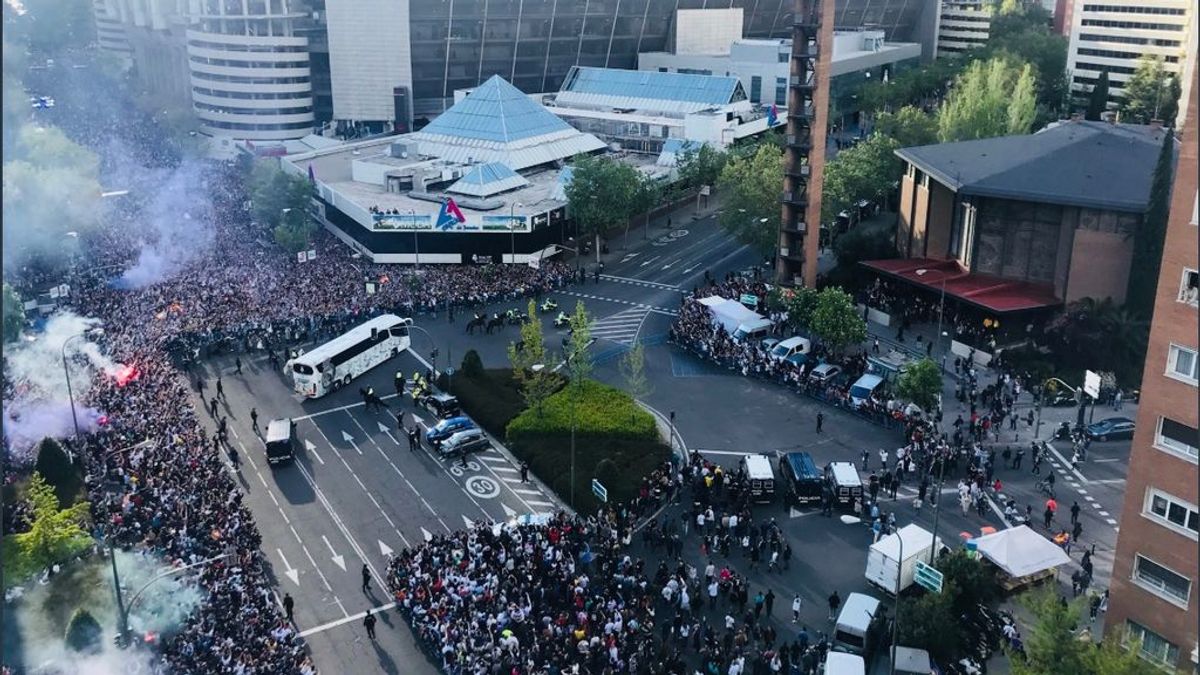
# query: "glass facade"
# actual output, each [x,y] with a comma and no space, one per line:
[534,43]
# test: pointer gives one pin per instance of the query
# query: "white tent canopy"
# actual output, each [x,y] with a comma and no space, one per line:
[729,313]
[1020,551]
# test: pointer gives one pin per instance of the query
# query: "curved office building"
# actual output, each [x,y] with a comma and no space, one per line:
[250,72]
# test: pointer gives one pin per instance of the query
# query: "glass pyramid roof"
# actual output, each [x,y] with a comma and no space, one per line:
[496,111]
[488,179]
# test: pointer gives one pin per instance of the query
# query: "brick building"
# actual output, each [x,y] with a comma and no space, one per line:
[1155,569]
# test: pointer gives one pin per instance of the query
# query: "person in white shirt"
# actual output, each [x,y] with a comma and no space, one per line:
[796,608]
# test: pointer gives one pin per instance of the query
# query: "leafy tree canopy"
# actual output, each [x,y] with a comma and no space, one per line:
[702,166]
[991,98]
[866,171]
[602,194]
[14,314]
[921,382]
[1151,93]
[836,321]
[752,188]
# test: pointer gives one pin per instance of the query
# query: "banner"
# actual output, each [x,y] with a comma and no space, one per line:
[405,222]
[389,222]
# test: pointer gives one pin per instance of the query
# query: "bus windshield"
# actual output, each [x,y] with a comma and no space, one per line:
[302,369]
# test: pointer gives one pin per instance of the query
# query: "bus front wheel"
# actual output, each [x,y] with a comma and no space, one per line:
[346,381]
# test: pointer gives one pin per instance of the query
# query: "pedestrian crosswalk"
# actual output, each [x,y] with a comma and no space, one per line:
[621,327]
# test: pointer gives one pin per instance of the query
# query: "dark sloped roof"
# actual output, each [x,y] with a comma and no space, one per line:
[1087,164]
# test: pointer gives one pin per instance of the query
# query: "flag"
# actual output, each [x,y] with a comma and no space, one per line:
[772,118]
[450,215]
[312,177]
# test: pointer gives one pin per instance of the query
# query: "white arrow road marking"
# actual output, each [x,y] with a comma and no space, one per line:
[651,260]
[425,533]
[350,439]
[629,257]
[470,523]
[291,572]
[385,429]
[308,445]
[384,549]
[508,512]
[337,559]
[668,266]
[417,418]
[686,271]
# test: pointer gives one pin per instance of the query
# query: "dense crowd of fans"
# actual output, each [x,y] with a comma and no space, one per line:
[155,483]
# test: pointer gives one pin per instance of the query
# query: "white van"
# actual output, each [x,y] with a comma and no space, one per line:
[841,663]
[761,476]
[794,349]
[753,330]
[863,387]
[853,622]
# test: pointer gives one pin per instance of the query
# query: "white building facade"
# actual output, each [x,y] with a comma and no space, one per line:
[370,57]
[962,25]
[1113,34]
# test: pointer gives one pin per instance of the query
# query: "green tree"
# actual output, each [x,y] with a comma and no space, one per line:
[1051,645]
[602,194]
[752,186]
[14,314]
[798,303]
[529,362]
[930,622]
[1026,36]
[701,166]
[633,370]
[55,535]
[84,633]
[921,382]
[974,582]
[991,98]
[58,471]
[275,194]
[1151,93]
[866,171]
[836,321]
[1148,241]
[579,360]
[472,365]
[909,126]
[1098,98]
[864,243]
[645,198]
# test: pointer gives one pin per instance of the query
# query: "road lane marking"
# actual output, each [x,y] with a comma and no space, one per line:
[346,620]
[1067,464]
[506,469]
[337,559]
[316,567]
[535,493]
[310,447]
[352,405]
[291,572]
[536,503]
[1110,521]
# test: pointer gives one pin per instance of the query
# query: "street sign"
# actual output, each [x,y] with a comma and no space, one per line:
[600,491]
[1091,384]
[705,190]
[927,577]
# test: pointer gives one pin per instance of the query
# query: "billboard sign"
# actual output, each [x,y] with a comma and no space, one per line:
[1091,384]
[402,222]
[407,222]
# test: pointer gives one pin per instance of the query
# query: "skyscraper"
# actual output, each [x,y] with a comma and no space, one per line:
[1154,570]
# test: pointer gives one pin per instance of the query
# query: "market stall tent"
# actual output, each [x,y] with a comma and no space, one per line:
[1020,552]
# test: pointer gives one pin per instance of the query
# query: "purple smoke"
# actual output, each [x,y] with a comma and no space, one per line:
[26,423]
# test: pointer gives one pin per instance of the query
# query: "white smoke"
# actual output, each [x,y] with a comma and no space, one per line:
[178,220]
[40,403]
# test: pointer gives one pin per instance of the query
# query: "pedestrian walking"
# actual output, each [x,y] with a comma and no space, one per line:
[237,365]
[866,457]
[369,622]
[254,420]
[1017,460]
[289,605]
[820,421]
[1047,516]
[366,578]
[412,439]
[212,407]
[769,601]
[835,601]
[525,479]
[875,346]
[1118,399]
[796,602]
[1074,512]
[220,389]
[200,387]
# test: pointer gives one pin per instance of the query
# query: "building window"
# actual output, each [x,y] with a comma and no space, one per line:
[1181,364]
[925,181]
[756,89]
[781,89]
[1177,437]
[1172,512]
[1189,287]
[1161,581]
[1154,647]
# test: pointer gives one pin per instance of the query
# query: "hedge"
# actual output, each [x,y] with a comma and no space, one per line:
[600,410]
[492,399]
[626,461]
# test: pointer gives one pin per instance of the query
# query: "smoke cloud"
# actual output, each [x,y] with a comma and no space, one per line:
[177,219]
[39,405]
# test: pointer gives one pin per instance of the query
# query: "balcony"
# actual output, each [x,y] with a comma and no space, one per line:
[810,22]
[802,171]
[794,198]
[802,143]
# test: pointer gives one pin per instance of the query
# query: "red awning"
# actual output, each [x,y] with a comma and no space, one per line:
[994,294]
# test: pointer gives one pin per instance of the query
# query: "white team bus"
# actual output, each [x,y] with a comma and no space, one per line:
[332,365]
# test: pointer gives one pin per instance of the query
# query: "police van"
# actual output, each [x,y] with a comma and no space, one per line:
[281,441]
[802,480]
[761,477]
[844,482]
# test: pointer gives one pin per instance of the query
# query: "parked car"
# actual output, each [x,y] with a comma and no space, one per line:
[464,442]
[447,428]
[1111,428]
[1060,397]
[794,349]
[441,404]
[824,373]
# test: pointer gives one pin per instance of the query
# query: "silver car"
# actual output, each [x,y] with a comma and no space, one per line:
[464,442]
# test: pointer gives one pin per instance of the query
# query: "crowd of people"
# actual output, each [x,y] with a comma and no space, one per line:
[696,331]
[155,479]
[574,594]
[966,325]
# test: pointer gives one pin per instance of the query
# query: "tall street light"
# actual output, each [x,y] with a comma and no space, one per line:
[433,353]
[512,228]
[941,305]
[70,393]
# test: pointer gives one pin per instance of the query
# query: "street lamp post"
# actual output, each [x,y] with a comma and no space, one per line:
[512,229]
[941,305]
[896,614]
[449,381]
[70,393]
[123,611]
[937,505]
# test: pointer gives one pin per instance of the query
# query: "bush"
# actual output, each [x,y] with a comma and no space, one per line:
[472,365]
[56,468]
[599,410]
[84,633]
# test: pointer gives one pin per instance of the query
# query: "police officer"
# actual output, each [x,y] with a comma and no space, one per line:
[399,382]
